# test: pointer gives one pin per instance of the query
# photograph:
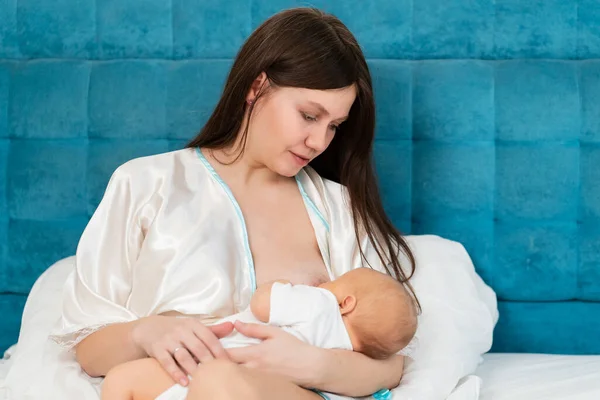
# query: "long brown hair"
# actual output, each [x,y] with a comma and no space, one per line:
[306,48]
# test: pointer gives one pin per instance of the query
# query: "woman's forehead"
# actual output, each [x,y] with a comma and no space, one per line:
[335,102]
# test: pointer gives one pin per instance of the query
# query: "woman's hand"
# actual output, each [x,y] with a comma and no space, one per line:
[179,344]
[280,353]
[345,372]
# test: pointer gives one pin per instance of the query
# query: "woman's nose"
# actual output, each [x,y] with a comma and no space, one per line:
[318,139]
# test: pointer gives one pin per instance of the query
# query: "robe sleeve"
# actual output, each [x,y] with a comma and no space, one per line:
[96,293]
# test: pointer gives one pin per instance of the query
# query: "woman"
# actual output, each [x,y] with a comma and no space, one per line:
[182,239]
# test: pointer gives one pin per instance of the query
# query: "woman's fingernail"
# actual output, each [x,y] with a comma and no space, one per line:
[183,382]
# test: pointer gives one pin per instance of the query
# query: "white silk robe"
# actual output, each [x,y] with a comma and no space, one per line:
[169,237]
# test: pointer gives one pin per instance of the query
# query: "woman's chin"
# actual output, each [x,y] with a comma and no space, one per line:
[288,171]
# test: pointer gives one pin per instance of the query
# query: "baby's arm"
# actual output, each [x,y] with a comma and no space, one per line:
[142,379]
[260,305]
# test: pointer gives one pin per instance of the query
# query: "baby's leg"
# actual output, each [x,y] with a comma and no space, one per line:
[142,379]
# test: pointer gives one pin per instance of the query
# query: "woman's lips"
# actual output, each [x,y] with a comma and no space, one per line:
[300,160]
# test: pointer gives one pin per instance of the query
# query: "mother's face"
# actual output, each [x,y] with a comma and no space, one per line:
[289,127]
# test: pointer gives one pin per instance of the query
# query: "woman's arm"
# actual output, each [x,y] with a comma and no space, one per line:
[353,374]
[174,342]
[337,371]
[108,347]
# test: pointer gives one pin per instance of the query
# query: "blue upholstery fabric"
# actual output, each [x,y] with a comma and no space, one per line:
[488,132]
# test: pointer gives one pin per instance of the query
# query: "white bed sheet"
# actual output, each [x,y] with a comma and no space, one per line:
[539,377]
[517,377]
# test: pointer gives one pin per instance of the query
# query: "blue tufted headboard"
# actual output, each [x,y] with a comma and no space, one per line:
[488,132]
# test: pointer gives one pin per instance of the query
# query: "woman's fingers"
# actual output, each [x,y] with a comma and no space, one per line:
[250,364]
[242,355]
[184,359]
[179,344]
[197,346]
[168,363]
[221,330]
[211,342]
[257,331]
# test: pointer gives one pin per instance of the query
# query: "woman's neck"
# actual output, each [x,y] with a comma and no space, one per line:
[245,171]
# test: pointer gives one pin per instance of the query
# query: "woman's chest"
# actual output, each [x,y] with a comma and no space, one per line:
[209,259]
[283,240]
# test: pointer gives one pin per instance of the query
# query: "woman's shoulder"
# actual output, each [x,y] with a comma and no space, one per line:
[156,165]
[164,173]
[159,170]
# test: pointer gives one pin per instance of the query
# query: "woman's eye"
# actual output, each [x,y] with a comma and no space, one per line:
[334,128]
[309,117]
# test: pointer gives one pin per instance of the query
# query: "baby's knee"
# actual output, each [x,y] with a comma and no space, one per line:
[221,380]
[116,383]
[143,367]
[216,370]
[123,380]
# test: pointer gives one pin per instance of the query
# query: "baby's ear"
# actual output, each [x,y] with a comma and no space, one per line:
[348,304]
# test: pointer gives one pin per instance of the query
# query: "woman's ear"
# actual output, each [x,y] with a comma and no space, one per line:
[348,304]
[257,87]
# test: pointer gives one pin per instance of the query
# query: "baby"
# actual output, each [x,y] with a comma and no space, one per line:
[363,310]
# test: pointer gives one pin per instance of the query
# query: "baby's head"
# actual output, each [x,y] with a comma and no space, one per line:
[378,311]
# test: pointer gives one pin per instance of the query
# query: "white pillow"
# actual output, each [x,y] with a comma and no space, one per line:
[42,310]
[468,388]
[44,304]
[456,326]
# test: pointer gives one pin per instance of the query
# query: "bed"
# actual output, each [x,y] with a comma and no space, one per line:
[539,376]
[518,377]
